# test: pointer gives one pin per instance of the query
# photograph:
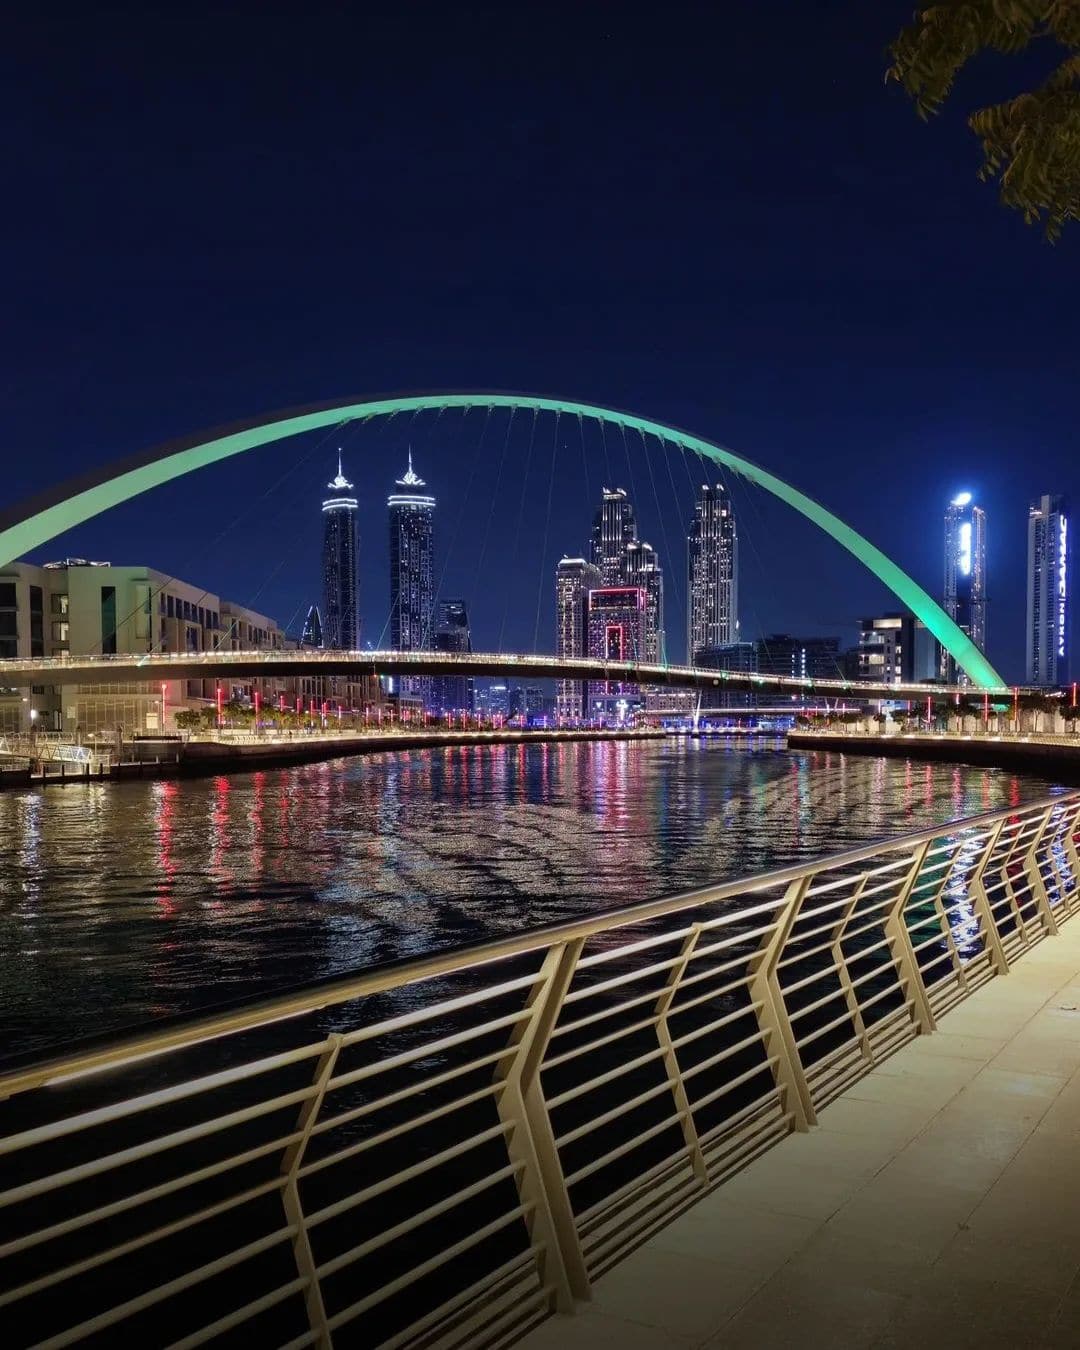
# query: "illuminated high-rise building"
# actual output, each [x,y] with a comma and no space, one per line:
[965,577]
[411,564]
[312,635]
[341,546]
[641,568]
[712,574]
[617,619]
[613,528]
[574,579]
[1049,602]
[453,693]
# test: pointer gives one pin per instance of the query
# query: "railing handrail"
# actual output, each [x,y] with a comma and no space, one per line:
[91,1054]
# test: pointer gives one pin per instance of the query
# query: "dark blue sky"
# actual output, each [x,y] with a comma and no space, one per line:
[715,215]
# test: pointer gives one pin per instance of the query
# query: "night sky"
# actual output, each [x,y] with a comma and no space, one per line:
[714,215]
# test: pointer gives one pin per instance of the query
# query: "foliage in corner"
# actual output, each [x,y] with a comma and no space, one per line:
[1031,143]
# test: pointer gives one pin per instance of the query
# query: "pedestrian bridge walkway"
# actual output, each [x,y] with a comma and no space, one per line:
[936,1203]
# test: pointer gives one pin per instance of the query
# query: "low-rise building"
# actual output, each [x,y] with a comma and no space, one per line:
[96,608]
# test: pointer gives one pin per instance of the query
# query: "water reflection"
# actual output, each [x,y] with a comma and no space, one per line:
[119,901]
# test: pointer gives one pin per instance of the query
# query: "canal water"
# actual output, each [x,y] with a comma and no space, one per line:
[123,902]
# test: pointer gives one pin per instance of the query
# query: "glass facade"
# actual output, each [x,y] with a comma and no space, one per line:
[1049,587]
[574,579]
[965,577]
[712,574]
[412,530]
[341,547]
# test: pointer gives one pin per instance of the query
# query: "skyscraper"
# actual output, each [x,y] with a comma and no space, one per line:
[1049,617]
[453,693]
[574,579]
[965,577]
[312,635]
[411,564]
[613,528]
[341,627]
[642,569]
[712,574]
[617,620]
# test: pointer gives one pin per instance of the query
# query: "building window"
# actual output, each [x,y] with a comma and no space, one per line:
[58,604]
[37,621]
[108,620]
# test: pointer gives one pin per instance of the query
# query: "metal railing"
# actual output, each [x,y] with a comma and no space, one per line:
[444,1151]
[267,660]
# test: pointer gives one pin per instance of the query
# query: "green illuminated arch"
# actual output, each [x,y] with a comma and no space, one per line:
[70,504]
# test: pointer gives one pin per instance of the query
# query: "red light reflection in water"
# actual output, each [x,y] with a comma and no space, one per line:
[258,822]
[167,793]
[220,840]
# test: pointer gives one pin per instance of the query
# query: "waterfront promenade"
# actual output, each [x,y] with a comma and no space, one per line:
[1038,752]
[936,1203]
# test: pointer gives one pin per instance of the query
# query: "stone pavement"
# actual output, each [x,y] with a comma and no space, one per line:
[936,1204]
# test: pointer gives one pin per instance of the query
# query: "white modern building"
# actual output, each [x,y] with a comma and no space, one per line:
[1049,599]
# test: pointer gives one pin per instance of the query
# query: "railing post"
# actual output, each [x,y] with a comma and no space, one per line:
[531,1139]
[844,975]
[980,902]
[764,989]
[1069,844]
[294,1210]
[671,1059]
[903,949]
[1035,876]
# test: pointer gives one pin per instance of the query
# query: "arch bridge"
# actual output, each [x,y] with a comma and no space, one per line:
[62,507]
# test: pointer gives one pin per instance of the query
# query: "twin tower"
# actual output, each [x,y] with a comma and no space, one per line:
[412,514]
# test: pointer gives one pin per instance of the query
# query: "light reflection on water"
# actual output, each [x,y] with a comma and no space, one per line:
[124,901]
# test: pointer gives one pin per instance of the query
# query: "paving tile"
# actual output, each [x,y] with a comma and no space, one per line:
[687,1295]
[751,1241]
[793,1189]
[964,1313]
[878,1120]
[1040,1263]
[877,1260]
[798,1307]
[1033,1051]
[948,1044]
[588,1330]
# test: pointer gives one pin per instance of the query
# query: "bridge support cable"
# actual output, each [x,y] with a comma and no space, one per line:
[494,504]
[448,552]
[668,552]
[547,530]
[517,531]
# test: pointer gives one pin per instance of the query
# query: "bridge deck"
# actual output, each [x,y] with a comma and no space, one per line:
[938,1203]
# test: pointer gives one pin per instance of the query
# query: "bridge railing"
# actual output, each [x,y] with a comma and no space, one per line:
[14,669]
[444,1151]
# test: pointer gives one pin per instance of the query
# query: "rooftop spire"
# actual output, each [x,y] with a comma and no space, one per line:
[410,479]
[340,481]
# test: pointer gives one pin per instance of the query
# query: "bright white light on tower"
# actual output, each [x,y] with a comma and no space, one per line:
[963,560]
[961,499]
